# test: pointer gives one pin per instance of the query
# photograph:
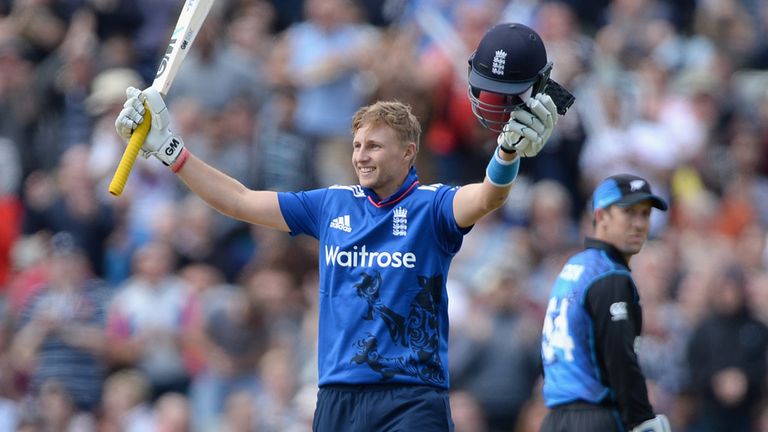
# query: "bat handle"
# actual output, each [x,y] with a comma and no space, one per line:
[129,155]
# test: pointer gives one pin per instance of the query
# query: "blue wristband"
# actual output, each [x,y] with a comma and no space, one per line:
[500,172]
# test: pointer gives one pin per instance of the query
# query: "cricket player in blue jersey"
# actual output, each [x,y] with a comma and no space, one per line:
[592,379]
[386,245]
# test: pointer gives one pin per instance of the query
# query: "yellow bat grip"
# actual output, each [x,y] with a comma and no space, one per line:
[129,155]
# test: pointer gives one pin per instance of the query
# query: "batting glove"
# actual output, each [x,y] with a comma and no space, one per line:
[660,423]
[161,142]
[527,131]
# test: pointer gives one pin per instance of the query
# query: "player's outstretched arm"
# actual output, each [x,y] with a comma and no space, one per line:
[230,197]
[473,201]
[220,191]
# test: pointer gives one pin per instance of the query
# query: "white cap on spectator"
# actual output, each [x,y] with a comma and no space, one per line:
[108,88]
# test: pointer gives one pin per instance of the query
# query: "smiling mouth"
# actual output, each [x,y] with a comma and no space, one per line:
[366,170]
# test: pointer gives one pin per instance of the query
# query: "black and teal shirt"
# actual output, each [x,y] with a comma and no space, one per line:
[383,268]
[593,319]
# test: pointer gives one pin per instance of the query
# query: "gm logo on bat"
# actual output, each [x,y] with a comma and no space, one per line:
[164,61]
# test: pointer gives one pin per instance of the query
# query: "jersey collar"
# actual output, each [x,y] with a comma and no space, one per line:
[411,181]
[609,249]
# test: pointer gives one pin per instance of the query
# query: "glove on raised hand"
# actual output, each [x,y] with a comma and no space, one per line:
[160,142]
[527,131]
[660,423]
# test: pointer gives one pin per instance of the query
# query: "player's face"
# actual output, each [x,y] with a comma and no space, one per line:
[625,227]
[380,160]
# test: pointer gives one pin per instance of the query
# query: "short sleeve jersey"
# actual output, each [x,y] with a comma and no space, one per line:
[382,269]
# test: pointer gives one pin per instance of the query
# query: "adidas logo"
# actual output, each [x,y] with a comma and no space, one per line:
[341,223]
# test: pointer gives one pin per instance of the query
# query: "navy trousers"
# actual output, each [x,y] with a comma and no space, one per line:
[382,408]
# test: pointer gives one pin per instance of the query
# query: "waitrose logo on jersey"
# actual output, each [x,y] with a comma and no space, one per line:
[360,257]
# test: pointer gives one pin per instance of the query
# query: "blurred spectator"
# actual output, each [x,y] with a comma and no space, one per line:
[325,58]
[728,25]
[19,108]
[282,151]
[10,206]
[757,291]
[204,281]
[297,255]
[533,412]
[58,411]
[551,230]
[495,356]
[662,348]
[192,235]
[569,50]
[240,413]
[147,319]
[745,191]
[228,71]
[39,25]
[10,408]
[64,79]
[229,136]
[400,76]
[172,413]
[276,404]
[466,413]
[233,339]
[66,202]
[750,248]
[458,143]
[699,274]
[30,254]
[61,332]
[104,102]
[727,357]
[279,303]
[154,21]
[125,406]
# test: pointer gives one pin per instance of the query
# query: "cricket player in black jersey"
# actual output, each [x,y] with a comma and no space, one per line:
[592,379]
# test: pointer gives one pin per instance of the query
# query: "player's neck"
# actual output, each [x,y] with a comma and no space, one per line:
[386,192]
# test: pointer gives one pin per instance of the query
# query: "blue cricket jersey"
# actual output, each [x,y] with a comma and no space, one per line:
[569,345]
[383,268]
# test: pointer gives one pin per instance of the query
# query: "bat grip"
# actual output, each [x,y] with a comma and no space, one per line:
[123,170]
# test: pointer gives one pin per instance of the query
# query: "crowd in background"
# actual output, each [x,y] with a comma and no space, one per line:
[150,312]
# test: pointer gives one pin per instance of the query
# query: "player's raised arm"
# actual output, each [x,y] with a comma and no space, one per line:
[231,197]
[524,135]
[220,191]
[509,90]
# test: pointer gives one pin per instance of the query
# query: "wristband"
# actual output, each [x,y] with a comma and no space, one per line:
[180,161]
[500,172]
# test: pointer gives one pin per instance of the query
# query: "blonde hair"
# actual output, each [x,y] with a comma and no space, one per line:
[394,114]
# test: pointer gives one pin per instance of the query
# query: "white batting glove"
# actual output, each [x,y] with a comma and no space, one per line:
[131,115]
[527,132]
[161,142]
[660,423]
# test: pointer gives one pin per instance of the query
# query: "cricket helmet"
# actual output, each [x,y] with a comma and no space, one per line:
[509,66]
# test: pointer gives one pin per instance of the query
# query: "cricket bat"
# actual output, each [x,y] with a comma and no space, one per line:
[190,21]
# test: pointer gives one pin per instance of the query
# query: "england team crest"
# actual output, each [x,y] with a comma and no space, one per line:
[400,222]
